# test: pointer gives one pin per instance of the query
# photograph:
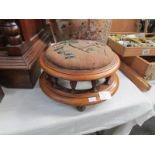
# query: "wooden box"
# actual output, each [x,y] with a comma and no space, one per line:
[130,51]
[144,66]
[132,65]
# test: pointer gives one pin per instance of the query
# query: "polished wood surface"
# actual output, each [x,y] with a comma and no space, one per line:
[21,43]
[79,98]
[141,83]
[53,73]
[30,27]
[144,66]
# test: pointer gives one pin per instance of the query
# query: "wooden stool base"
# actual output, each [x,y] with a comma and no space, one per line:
[78,98]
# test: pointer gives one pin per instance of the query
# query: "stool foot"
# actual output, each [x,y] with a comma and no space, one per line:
[81,108]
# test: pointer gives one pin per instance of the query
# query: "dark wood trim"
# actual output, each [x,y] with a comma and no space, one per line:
[23,71]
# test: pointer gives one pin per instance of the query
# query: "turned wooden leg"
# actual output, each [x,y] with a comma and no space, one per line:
[81,108]
[46,76]
[73,85]
[107,80]
[94,84]
[55,81]
[13,37]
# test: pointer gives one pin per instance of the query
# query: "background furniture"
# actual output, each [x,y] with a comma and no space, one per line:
[132,25]
[128,26]
[124,25]
[21,42]
[41,115]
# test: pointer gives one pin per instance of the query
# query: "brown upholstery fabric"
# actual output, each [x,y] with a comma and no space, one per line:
[88,29]
[80,54]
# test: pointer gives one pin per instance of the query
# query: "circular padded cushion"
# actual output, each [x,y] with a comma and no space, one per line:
[80,54]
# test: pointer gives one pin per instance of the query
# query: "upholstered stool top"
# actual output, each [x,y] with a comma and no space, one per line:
[80,54]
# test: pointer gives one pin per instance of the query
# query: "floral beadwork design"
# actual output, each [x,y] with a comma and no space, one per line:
[59,48]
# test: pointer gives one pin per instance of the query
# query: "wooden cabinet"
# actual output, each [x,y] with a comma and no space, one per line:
[21,42]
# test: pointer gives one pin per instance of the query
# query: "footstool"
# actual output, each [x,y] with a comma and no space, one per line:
[79,72]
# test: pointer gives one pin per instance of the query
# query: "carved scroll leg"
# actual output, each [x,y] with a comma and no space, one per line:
[81,108]
[73,86]
[94,84]
[107,80]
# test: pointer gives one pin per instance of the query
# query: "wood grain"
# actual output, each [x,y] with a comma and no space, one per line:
[75,99]
[141,83]
[20,68]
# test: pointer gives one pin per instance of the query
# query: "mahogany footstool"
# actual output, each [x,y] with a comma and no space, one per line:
[79,72]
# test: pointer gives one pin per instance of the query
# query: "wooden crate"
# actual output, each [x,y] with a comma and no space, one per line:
[130,51]
[141,83]
[144,66]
